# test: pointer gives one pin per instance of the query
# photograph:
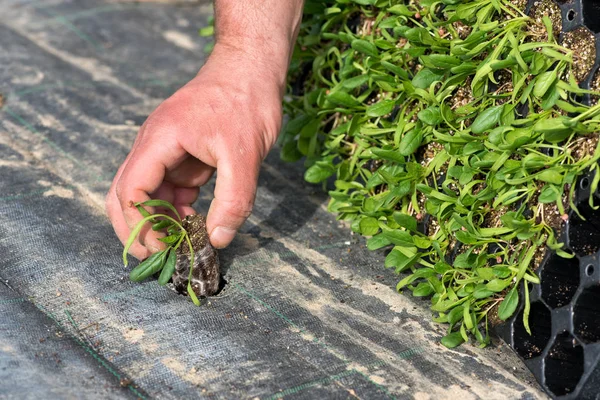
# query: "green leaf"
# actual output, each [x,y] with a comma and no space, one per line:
[391,155]
[378,241]
[410,142]
[405,221]
[441,267]
[164,224]
[554,129]
[468,321]
[422,242]
[543,83]
[136,231]
[342,99]
[482,292]
[486,119]
[430,116]
[440,61]
[365,47]
[168,269]
[290,152]
[171,239]
[425,77]
[486,273]
[549,194]
[381,108]
[423,289]
[206,31]
[310,129]
[192,294]
[551,176]
[455,315]
[399,238]
[452,340]
[352,83]
[465,237]
[400,9]
[369,226]
[160,203]
[142,210]
[398,260]
[509,304]
[149,266]
[526,309]
[319,172]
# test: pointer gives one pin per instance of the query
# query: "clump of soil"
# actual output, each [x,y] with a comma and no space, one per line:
[520,4]
[462,96]
[504,88]
[583,44]
[1,100]
[205,277]
[428,152]
[585,145]
[547,8]
[462,29]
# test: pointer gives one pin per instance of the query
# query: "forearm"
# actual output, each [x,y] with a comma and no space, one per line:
[264,31]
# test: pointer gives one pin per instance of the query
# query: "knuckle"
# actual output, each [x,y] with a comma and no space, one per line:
[239,209]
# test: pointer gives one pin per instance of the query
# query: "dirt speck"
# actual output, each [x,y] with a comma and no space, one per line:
[134,335]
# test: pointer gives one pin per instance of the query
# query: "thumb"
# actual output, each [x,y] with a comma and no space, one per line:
[235,190]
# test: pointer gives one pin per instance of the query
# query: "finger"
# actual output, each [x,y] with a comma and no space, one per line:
[143,174]
[191,172]
[120,226]
[113,205]
[185,196]
[233,198]
[181,198]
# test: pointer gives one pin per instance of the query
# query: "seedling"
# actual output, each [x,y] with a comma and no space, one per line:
[163,261]
[455,135]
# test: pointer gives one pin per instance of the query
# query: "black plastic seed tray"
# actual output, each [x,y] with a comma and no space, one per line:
[563,351]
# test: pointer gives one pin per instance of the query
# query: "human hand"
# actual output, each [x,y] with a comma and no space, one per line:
[225,119]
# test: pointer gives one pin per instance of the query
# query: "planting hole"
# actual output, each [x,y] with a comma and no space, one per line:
[584,183]
[584,234]
[586,315]
[564,365]
[560,280]
[589,270]
[571,15]
[540,323]
[222,287]
[591,14]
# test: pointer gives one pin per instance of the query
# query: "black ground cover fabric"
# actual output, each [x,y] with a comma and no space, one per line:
[307,312]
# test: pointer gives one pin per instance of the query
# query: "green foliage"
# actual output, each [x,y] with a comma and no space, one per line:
[455,115]
[162,261]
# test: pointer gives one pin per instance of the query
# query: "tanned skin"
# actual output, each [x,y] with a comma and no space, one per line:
[226,119]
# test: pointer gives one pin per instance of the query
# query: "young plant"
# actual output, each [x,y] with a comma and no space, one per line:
[455,134]
[162,261]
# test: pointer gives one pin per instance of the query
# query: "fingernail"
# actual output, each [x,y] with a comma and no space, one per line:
[153,249]
[221,236]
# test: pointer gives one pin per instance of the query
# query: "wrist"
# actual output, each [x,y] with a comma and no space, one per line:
[266,62]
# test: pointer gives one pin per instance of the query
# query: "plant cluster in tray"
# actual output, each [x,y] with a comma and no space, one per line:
[453,133]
